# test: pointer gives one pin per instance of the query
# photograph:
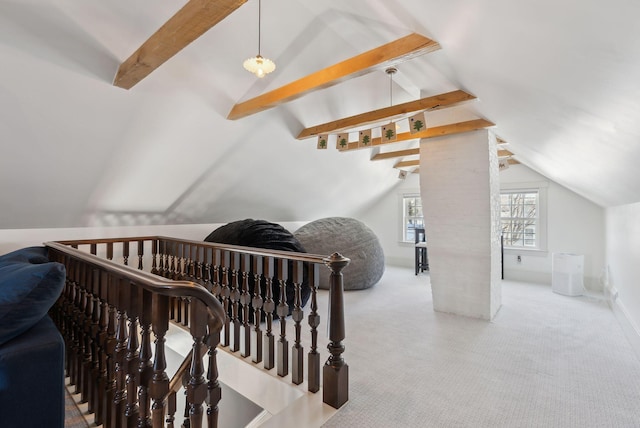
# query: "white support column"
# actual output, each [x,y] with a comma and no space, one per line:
[460,190]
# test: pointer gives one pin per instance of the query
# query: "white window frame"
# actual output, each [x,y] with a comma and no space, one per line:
[541,223]
[401,230]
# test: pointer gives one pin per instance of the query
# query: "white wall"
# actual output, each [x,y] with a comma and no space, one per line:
[385,219]
[574,225]
[13,239]
[623,260]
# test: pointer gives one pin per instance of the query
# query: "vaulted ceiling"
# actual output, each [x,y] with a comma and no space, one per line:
[558,80]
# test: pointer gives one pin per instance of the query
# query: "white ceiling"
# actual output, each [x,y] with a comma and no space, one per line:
[559,79]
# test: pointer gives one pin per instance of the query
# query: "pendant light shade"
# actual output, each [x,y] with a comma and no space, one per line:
[259,65]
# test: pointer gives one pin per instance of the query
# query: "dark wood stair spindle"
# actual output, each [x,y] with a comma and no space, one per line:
[235,301]
[94,375]
[102,351]
[269,306]
[225,293]
[140,254]
[297,351]
[125,253]
[245,300]
[216,285]
[154,257]
[313,377]
[214,392]
[257,307]
[160,381]
[145,367]
[335,390]
[283,311]
[132,356]
[87,309]
[197,386]
[111,293]
[120,392]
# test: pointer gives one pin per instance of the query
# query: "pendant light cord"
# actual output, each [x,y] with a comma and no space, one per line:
[259,22]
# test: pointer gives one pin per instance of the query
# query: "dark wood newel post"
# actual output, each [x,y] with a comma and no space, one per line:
[335,373]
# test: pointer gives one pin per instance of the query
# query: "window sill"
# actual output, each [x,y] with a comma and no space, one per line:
[528,251]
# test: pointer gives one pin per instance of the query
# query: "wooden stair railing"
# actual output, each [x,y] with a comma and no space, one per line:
[224,270]
[107,314]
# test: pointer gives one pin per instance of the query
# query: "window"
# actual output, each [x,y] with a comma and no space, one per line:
[412,217]
[520,219]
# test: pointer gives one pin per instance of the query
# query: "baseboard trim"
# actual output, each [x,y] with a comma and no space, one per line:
[629,327]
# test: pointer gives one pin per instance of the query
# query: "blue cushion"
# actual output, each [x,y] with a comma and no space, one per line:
[35,255]
[27,292]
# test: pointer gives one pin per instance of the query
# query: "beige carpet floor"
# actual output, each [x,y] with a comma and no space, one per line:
[546,360]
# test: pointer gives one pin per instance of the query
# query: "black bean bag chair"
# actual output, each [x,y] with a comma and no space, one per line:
[267,235]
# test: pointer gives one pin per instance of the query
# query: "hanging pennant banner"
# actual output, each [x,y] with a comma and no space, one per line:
[322,141]
[389,132]
[417,123]
[364,138]
[342,141]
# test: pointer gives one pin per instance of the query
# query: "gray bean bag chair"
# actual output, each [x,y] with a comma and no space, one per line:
[352,239]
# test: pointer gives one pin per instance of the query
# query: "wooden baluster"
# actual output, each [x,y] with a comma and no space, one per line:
[160,381]
[297,351]
[313,377]
[200,263]
[132,360]
[87,337]
[125,253]
[216,285]
[75,333]
[245,301]
[171,409]
[197,386]
[283,311]
[95,342]
[120,393]
[235,301]
[214,392]
[102,352]
[269,307]
[206,269]
[188,262]
[145,367]
[80,330]
[109,250]
[257,307]
[154,255]
[225,292]
[186,274]
[140,254]
[93,249]
[335,373]
[112,342]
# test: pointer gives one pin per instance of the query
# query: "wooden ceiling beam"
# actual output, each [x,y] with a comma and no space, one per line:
[504,153]
[436,102]
[403,164]
[403,49]
[189,23]
[437,131]
[396,154]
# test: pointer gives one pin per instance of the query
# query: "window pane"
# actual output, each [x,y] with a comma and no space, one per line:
[519,215]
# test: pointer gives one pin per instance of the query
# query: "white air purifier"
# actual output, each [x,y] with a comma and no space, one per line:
[567,274]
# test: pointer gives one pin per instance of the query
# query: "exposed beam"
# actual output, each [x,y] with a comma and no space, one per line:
[512,162]
[403,164]
[189,23]
[504,153]
[403,49]
[437,131]
[397,154]
[435,102]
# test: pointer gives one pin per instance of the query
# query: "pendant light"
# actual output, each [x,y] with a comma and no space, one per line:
[259,65]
